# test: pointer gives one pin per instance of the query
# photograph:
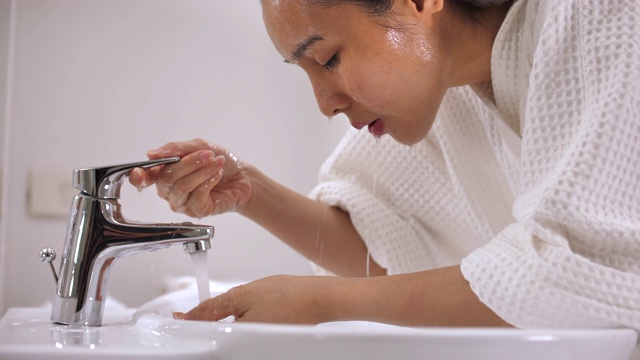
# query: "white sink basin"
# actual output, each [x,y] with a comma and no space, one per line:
[151,333]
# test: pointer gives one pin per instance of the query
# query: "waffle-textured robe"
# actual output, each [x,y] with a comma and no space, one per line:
[531,183]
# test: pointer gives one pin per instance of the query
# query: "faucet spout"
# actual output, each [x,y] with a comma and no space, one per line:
[97,236]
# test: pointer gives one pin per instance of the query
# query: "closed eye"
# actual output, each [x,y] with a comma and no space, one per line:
[332,63]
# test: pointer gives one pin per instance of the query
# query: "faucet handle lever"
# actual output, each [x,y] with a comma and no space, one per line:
[47,255]
[105,182]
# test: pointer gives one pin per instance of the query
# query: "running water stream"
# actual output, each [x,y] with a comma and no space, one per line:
[201,268]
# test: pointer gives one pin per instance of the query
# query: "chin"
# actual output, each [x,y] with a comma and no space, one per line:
[409,141]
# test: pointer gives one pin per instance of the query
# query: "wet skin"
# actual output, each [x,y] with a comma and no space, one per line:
[393,69]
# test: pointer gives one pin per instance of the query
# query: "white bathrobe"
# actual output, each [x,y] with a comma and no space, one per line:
[531,183]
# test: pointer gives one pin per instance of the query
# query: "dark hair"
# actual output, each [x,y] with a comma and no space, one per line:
[467,9]
[372,7]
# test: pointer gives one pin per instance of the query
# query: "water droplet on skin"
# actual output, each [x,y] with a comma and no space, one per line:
[329,118]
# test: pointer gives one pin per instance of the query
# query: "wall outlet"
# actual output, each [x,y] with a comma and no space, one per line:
[50,193]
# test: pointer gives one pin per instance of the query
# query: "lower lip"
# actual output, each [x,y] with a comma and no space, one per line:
[376,128]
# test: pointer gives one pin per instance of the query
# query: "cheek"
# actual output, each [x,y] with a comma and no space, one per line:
[409,45]
[372,93]
[392,93]
[372,83]
[397,77]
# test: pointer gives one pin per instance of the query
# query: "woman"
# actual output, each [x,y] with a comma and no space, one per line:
[517,202]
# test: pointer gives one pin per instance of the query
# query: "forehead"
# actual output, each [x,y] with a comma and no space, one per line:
[290,22]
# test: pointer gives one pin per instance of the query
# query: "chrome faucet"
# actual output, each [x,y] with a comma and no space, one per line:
[98,235]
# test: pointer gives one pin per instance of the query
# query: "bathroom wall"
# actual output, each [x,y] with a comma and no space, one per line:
[5,16]
[99,82]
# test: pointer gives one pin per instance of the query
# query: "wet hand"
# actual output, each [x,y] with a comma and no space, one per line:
[276,299]
[207,180]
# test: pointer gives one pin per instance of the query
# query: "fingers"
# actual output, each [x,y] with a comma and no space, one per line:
[180,149]
[175,172]
[191,185]
[275,299]
[200,203]
[139,178]
[217,308]
[178,315]
[142,178]
[177,182]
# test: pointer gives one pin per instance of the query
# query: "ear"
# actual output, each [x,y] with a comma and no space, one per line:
[425,10]
[431,6]
[422,11]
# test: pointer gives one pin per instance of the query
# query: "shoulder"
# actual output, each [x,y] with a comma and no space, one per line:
[593,19]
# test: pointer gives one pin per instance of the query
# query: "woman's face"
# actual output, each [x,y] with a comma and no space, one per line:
[383,73]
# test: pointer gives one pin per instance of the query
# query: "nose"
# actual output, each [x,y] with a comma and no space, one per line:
[332,100]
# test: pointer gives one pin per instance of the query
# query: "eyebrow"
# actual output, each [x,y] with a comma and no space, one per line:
[304,45]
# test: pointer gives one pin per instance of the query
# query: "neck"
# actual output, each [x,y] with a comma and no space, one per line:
[471,42]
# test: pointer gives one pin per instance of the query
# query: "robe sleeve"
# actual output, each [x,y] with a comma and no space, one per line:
[391,191]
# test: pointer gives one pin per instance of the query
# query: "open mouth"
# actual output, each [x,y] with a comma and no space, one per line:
[376,128]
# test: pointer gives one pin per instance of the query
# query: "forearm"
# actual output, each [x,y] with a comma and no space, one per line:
[440,297]
[321,233]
